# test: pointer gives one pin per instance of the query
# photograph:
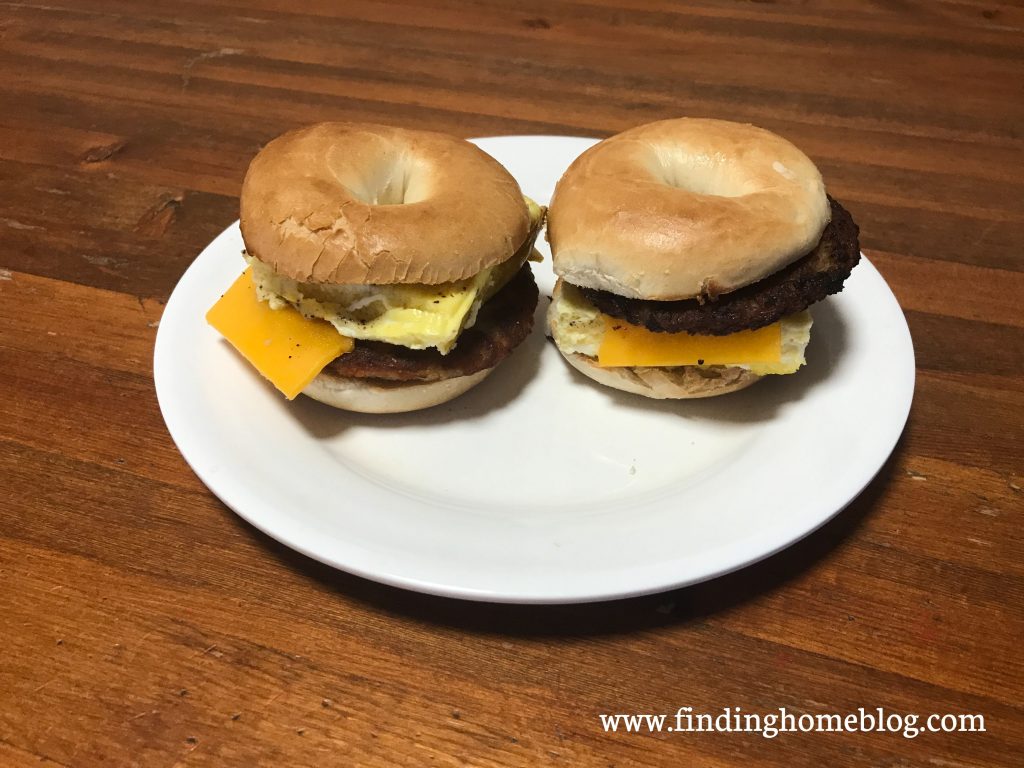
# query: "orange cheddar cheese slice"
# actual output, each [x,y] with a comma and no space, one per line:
[287,348]
[632,345]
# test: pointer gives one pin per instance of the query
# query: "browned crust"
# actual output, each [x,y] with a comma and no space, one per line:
[792,289]
[374,204]
[668,209]
[502,325]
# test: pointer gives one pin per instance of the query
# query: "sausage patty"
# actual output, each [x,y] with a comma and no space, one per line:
[501,325]
[792,289]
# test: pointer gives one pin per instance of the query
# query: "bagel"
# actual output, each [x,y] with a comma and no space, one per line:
[687,382]
[683,208]
[687,252]
[370,396]
[398,239]
[373,204]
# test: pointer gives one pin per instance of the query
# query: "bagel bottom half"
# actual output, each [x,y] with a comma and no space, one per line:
[680,383]
[379,396]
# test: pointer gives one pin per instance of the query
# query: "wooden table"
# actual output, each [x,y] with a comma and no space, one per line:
[144,624]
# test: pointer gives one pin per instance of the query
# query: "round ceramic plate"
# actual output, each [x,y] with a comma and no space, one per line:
[540,486]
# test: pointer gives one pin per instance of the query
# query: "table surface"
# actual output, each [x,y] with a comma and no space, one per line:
[144,624]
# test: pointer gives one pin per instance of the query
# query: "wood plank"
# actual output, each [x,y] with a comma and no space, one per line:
[189,680]
[953,289]
[949,344]
[145,624]
[133,237]
[966,424]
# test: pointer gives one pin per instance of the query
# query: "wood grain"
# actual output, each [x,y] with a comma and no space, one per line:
[144,624]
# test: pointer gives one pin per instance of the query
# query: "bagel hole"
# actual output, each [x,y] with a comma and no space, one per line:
[700,173]
[397,180]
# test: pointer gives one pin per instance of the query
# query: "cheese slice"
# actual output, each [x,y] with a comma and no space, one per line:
[287,348]
[624,344]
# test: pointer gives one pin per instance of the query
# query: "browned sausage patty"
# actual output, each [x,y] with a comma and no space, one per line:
[501,325]
[791,289]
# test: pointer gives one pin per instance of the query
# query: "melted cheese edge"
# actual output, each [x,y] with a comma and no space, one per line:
[286,348]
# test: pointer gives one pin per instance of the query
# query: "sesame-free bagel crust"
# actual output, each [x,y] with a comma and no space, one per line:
[687,382]
[684,208]
[371,204]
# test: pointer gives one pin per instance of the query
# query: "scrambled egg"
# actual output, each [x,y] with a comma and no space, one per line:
[578,326]
[410,315]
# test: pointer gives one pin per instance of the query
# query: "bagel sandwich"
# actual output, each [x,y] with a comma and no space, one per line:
[387,268]
[688,252]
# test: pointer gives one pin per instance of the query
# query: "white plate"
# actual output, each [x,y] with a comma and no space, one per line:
[539,486]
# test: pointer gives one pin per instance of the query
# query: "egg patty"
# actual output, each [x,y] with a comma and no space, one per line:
[410,315]
[503,324]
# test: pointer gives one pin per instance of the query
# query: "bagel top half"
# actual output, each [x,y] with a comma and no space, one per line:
[685,208]
[357,203]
